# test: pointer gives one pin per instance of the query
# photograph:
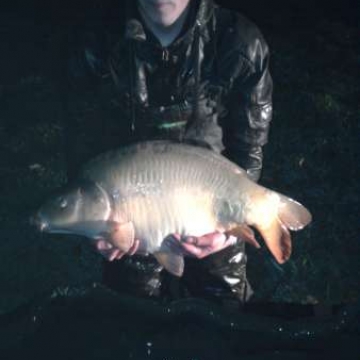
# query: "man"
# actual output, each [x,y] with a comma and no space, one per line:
[185,70]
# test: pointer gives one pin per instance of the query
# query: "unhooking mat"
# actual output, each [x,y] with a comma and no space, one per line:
[96,323]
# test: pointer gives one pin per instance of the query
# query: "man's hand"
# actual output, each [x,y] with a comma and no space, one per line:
[196,246]
[110,252]
[202,246]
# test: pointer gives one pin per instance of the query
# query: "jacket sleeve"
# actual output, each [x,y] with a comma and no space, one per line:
[249,107]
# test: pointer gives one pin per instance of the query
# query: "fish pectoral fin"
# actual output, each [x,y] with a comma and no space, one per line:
[122,236]
[172,262]
[245,233]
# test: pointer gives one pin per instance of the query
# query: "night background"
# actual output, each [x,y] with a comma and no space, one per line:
[312,155]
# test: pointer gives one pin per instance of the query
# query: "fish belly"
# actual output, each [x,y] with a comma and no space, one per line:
[180,211]
[166,188]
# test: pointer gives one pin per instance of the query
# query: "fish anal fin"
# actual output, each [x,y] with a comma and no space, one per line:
[172,262]
[245,233]
[278,240]
[121,235]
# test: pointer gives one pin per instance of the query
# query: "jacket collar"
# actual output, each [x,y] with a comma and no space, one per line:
[199,16]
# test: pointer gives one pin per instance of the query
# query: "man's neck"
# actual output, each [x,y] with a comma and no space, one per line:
[165,34]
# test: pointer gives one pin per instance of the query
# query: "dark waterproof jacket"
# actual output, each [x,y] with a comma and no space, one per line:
[211,86]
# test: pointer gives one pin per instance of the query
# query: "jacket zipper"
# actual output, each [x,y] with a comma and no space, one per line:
[165,55]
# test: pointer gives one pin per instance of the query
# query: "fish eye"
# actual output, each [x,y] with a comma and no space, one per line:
[63,203]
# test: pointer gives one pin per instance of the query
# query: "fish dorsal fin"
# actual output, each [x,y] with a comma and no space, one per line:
[122,236]
[245,233]
[172,261]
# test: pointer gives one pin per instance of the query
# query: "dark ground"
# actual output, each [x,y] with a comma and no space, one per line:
[312,155]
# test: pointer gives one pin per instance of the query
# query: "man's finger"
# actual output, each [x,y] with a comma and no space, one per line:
[193,250]
[103,245]
[114,254]
[177,236]
[208,240]
[134,248]
[119,255]
[231,240]
[210,243]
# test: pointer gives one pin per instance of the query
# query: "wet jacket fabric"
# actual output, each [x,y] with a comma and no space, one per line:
[210,87]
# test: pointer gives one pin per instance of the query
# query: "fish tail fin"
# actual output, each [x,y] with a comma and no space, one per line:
[273,216]
[292,214]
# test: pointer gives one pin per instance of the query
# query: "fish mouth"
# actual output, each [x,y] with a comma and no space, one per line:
[44,226]
[41,224]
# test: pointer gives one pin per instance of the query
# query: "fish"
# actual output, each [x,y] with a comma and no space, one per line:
[152,189]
